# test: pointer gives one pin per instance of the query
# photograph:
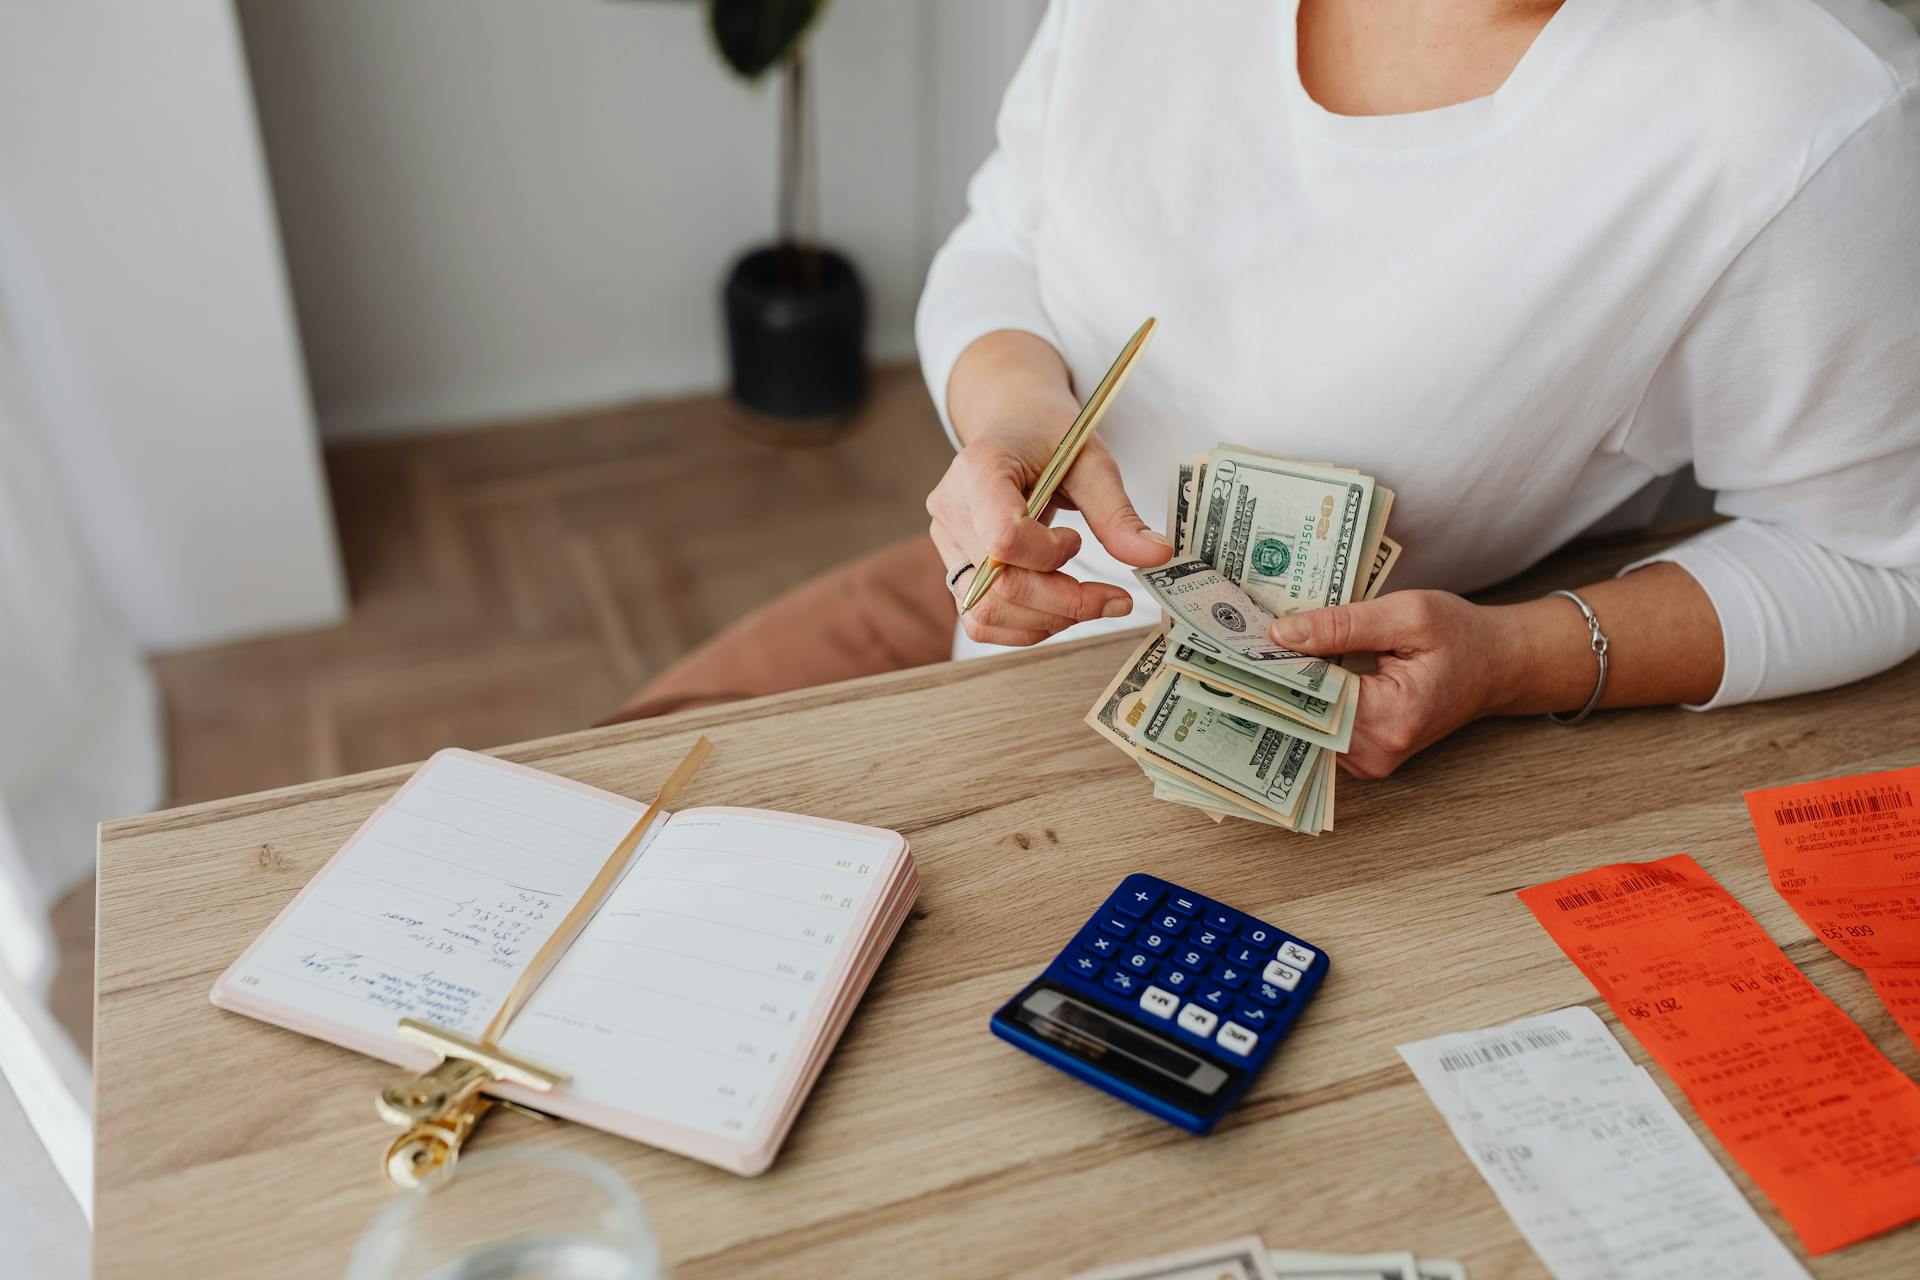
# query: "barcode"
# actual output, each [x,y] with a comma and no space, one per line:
[1592,895]
[1841,805]
[1479,1055]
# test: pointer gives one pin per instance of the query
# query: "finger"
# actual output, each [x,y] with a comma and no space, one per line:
[1095,488]
[953,554]
[947,505]
[970,479]
[1387,625]
[1001,635]
[1365,762]
[994,610]
[1385,729]
[1057,593]
[1003,529]
[1010,602]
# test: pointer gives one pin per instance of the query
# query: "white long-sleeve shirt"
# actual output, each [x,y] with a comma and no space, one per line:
[1682,230]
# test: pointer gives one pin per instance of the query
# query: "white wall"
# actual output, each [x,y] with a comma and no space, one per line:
[141,290]
[500,207]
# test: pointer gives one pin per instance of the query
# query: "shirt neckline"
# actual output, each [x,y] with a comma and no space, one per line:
[1552,49]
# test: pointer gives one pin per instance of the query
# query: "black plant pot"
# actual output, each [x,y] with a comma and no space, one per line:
[796,333]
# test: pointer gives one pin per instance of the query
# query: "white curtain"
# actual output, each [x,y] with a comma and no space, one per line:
[79,741]
[79,730]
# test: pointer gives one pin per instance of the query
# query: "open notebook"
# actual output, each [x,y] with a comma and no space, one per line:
[693,1012]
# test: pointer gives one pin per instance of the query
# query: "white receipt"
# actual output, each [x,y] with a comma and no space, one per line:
[1596,1168]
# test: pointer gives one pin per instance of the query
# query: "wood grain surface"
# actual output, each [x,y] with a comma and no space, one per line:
[227,1147]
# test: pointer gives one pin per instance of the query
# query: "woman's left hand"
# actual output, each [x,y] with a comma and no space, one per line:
[1442,663]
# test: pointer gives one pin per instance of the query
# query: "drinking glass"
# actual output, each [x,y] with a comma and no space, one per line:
[515,1214]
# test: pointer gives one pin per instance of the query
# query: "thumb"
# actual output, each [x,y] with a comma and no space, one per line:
[1095,488]
[1367,626]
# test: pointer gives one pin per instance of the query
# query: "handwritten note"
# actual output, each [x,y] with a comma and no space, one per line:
[1794,1090]
[721,952]
[439,901]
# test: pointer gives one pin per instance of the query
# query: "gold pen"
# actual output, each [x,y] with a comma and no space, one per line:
[1068,450]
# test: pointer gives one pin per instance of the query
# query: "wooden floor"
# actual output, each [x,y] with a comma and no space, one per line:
[511,582]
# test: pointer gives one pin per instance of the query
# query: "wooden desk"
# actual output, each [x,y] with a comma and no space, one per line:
[227,1147]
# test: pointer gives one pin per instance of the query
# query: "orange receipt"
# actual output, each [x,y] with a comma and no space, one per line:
[1845,854]
[1816,1115]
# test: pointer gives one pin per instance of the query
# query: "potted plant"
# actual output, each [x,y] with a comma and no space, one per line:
[796,312]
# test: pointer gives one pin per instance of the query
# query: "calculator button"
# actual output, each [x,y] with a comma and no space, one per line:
[1230,975]
[1100,944]
[1296,955]
[1224,921]
[1214,996]
[1153,940]
[1254,1017]
[1258,935]
[1169,922]
[1207,939]
[1123,982]
[1184,903]
[1139,962]
[1176,980]
[1160,1004]
[1197,1020]
[1268,994]
[1118,926]
[1238,1039]
[1246,957]
[1281,976]
[1134,902]
[1188,958]
[1085,966]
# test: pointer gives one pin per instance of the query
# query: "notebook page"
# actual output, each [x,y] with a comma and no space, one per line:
[439,902]
[686,996]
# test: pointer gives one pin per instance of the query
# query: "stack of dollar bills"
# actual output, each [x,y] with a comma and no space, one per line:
[1248,1258]
[1220,717]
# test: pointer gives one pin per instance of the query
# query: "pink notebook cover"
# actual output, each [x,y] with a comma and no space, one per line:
[865,942]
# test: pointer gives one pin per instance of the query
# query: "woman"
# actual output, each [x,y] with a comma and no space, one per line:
[1518,260]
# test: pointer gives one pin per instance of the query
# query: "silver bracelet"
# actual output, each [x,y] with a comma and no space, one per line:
[1598,640]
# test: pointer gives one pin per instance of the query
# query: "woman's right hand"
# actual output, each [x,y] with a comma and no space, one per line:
[979,510]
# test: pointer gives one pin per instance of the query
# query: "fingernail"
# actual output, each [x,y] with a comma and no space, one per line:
[1152,536]
[1291,632]
[1117,608]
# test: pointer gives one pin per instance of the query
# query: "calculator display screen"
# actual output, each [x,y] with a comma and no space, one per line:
[1121,1049]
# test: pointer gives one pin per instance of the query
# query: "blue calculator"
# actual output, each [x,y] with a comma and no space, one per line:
[1167,1000]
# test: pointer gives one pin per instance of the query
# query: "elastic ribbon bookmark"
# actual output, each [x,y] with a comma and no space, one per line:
[564,933]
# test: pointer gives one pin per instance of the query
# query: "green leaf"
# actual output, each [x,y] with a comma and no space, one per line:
[753,35]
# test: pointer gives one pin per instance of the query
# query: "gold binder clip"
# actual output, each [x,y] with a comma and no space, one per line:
[439,1107]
